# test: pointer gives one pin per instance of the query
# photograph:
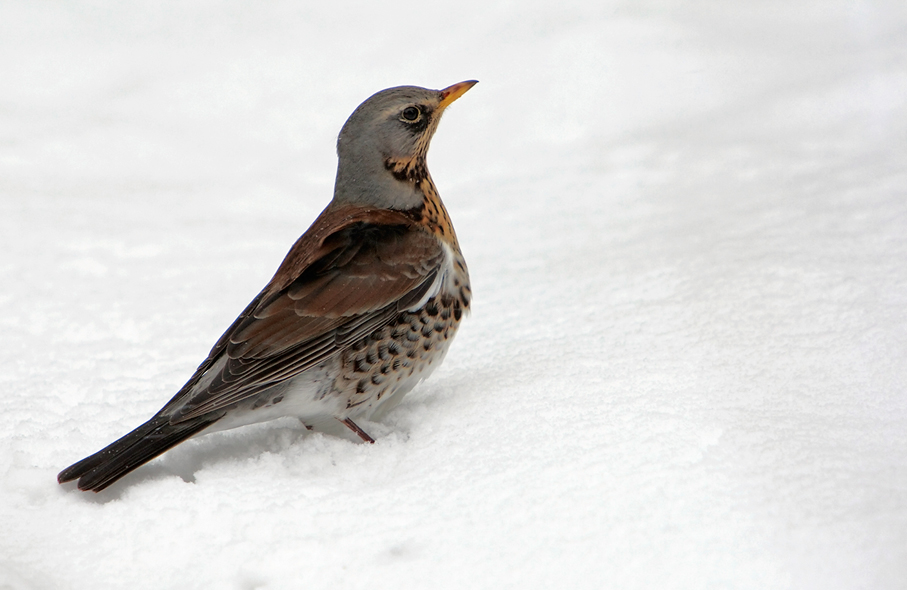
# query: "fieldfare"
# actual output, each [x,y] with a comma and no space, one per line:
[363,307]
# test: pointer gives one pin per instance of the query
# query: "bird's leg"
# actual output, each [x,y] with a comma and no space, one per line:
[355,428]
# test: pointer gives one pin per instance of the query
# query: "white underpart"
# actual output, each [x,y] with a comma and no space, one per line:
[444,280]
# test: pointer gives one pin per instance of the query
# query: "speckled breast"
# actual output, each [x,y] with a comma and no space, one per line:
[393,359]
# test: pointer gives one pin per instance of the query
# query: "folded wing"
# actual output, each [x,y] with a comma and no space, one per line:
[346,277]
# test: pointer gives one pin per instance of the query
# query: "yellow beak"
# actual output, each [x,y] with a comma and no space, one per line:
[452,93]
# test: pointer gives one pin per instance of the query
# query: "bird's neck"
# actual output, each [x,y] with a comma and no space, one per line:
[401,184]
[432,214]
[430,211]
[372,182]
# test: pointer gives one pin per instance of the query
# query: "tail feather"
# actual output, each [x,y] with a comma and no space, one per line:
[133,450]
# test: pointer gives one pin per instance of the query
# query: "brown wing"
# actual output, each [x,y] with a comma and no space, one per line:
[348,275]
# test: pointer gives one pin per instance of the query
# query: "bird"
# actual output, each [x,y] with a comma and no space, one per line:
[363,307]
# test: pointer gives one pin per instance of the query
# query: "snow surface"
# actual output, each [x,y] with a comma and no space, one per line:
[686,224]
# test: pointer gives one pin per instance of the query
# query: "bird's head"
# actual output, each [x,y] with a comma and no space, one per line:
[382,146]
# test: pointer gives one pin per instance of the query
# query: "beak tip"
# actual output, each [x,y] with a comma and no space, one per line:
[452,93]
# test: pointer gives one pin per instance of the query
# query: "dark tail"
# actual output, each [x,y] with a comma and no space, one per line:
[133,450]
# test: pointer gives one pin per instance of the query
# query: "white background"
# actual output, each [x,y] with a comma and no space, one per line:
[686,225]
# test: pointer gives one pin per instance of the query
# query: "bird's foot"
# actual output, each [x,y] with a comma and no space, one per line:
[355,428]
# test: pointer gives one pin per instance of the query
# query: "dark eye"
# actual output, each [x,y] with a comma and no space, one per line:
[411,114]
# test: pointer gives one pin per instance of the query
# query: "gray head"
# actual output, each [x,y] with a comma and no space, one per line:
[383,144]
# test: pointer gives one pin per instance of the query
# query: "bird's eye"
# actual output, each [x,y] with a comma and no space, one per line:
[411,114]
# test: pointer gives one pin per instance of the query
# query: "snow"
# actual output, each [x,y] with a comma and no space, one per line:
[686,225]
